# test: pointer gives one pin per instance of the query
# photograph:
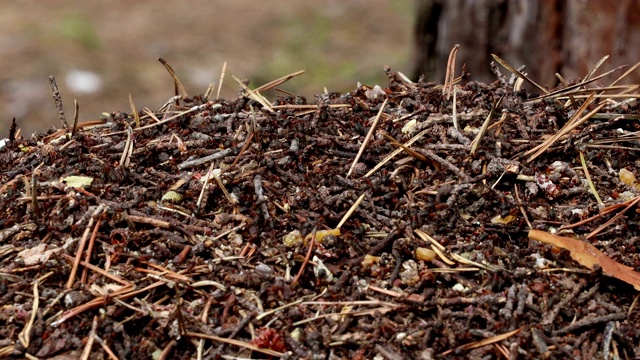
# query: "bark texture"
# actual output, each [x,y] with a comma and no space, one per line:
[547,36]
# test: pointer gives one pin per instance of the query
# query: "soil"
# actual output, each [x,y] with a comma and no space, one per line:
[237,228]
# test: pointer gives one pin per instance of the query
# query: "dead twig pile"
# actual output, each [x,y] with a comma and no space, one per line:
[410,221]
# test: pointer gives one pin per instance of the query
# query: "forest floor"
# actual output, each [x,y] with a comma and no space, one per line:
[250,228]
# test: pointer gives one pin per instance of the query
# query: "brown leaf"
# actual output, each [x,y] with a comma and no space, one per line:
[588,255]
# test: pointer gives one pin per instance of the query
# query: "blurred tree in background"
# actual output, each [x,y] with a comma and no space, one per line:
[548,36]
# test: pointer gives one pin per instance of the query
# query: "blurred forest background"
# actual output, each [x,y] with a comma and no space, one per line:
[102,51]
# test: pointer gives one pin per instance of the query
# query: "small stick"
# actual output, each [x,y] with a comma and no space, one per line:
[239,343]
[350,211]
[57,99]
[306,259]
[87,349]
[524,213]
[367,138]
[100,271]
[431,155]
[476,142]
[75,117]
[224,69]
[167,350]
[105,347]
[81,245]
[87,258]
[244,148]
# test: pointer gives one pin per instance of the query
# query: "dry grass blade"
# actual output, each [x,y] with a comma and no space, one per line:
[87,348]
[455,109]
[518,73]
[574,122]
[254,95]
[595,68]
[564,91]
[631,69]
[406,149]
[25,334]
[178,88]
[368,137]
[128,149]
[476,142]
[183,113]
[447,89]
[81,245]
[566,84]
[613,219]
[276,82]
[134,111]
[239,343]
[484,342]
[586,175]
[350,211]
[222,72]
[396,152]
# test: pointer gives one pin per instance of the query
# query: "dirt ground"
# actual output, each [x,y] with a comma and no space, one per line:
[337,42]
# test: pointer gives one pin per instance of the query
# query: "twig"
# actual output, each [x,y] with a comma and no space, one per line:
[254,95]
[276,82]
[167,350]
[476,142]
[57,99]
[87,348]
[431,155]
[87,258]
[350,211]
[613,219]
[105,347]
[522,210]
[81,245]
[243,344]
[75,117]
[590,322]
[368,137]
[306,259]
[100,271]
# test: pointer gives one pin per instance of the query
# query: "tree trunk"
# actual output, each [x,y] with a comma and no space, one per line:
[548,36]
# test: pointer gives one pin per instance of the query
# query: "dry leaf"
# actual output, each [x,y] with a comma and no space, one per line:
[587,255]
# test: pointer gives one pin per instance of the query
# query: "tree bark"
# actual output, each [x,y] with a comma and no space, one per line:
[548,36]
